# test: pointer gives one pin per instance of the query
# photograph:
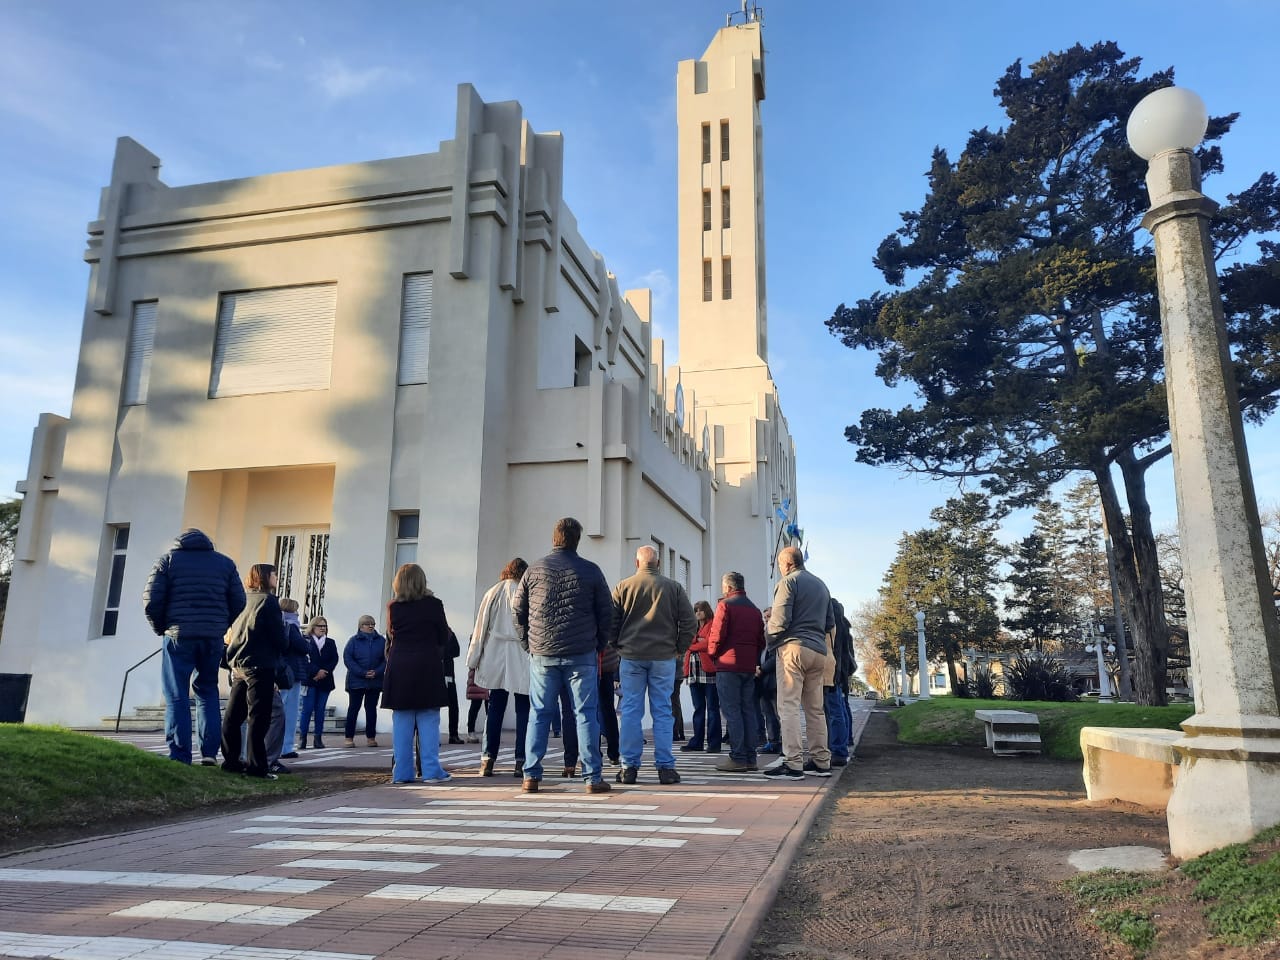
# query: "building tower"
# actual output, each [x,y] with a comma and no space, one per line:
[724,339]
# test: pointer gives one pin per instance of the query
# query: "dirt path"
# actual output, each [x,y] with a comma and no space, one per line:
[948,854]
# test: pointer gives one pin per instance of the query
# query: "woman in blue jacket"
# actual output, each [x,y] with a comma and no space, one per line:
[365,658]
[317,683]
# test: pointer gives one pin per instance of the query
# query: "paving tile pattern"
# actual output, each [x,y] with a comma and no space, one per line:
[104,899]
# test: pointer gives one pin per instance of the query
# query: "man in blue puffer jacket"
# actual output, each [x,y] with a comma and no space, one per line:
[192,596]
[564,617]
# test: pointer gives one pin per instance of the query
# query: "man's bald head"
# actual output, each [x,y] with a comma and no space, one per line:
[791,558]
[646,556]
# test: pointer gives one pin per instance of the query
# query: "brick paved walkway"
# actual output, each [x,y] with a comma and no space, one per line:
[469,869]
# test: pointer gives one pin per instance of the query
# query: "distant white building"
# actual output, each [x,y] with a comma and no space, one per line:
[341,369]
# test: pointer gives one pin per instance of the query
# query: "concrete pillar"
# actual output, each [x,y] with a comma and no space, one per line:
[1229,785]
[922,657]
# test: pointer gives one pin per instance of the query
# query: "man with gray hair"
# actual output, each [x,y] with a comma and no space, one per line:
[799,622]
[653,626]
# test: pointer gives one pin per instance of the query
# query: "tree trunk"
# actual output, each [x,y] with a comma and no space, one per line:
[1138,574]
[951,671]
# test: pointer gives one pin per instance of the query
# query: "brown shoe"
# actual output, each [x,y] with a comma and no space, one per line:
[569,772]
[598,786]
[348,742]
[486,766]
[372,742]
[530,785]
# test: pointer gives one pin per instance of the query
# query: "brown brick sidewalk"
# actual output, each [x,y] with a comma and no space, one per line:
[472,868]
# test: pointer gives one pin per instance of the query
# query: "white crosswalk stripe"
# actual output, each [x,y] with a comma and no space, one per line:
[14,944]
[466,835]
[533,898]
[419,849]
[179,881]
[207,912]
[535,824]
[381,866]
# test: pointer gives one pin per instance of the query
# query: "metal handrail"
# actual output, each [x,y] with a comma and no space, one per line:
[120,708]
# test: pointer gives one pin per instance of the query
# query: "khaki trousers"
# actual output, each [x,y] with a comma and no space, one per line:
[800,688]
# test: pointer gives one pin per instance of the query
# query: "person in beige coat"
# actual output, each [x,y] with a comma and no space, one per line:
[497,662]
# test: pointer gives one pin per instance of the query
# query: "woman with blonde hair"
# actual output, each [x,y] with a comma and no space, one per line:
[496,662]
[413,686]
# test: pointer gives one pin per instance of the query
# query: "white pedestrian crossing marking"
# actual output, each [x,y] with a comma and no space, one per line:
[554,804]
[538,824]
[366,846]
[381,866]
[14,944]
[533,809]
[466,835]
[179,881]
[532,898]
[207,912]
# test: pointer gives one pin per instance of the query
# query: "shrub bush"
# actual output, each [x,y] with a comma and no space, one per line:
[983,684]
[1035,676]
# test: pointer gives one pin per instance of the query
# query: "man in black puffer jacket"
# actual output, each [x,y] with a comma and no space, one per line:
[564,616]
[192,596]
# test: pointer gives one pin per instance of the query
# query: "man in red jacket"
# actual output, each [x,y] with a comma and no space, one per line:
[736,644]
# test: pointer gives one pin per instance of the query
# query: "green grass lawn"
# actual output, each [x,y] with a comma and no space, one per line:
[52,778]
[950,720]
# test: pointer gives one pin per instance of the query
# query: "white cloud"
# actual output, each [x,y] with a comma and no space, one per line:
[339,81]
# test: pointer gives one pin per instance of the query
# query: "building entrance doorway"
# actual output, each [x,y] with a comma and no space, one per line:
[302,562]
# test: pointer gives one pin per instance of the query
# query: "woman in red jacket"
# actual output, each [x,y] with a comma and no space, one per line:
[700,670]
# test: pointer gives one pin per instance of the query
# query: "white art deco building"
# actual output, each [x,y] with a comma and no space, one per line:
[343,368]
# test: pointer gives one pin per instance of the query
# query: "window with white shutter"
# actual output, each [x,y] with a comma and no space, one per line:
[274,341]
[415,328]
[137,368]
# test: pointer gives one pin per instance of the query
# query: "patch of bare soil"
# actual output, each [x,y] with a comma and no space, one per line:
[318,783]
[954,854]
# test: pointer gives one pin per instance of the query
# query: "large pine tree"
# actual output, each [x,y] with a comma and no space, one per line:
[1024,312]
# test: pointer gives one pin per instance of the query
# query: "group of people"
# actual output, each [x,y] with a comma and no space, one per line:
[550,638]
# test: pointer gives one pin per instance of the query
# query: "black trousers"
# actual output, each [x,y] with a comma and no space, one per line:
[370,700]
[251,696]
[608,714]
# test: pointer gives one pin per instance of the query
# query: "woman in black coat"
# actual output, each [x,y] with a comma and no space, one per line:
[317,681]
[255,643]
[413,686]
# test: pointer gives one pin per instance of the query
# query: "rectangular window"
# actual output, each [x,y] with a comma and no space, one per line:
[406,539]
[706,143]
[706,280]
[137,365]
[671,563]
[724,139]
[726,278]
[119,534]
[724,208]
[686,574]
[274,341]
[415,328]
[706,209]
[581,363]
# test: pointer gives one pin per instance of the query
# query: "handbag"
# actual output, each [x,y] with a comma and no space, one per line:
[474,692]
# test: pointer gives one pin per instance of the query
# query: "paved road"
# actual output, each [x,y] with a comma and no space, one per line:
[469,869]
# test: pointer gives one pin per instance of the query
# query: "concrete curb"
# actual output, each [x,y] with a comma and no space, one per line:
[743,928]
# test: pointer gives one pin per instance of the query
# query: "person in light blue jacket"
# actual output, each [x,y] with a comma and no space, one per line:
[365,658]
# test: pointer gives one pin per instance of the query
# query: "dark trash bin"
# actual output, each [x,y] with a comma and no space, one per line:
[14,688]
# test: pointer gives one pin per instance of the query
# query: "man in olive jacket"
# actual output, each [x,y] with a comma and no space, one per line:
[653,626]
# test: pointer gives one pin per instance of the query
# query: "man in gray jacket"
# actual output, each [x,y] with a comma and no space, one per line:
[653,627]
[798,624]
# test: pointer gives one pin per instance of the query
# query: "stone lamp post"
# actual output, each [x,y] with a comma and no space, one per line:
[923,671]
[1095,645]
[1228,787]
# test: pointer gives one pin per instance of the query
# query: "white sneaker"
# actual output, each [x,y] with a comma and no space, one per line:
[445,779]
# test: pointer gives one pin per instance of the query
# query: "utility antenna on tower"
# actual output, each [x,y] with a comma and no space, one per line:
[751,13]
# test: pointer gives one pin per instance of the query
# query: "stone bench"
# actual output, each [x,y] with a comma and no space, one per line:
[1010,732]
[1130,763]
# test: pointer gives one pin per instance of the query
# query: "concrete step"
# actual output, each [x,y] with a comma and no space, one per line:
[149,718]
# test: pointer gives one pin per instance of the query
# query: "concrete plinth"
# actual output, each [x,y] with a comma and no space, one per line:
[1218,800]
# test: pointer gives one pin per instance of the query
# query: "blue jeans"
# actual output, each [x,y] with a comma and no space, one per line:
[548,676]
[834,705]
[657,679]
[181,658]
[427,723]
[737,693]
[314,702]
[291,699]
[706,715]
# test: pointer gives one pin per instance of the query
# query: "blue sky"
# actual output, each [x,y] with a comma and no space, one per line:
[858,95]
